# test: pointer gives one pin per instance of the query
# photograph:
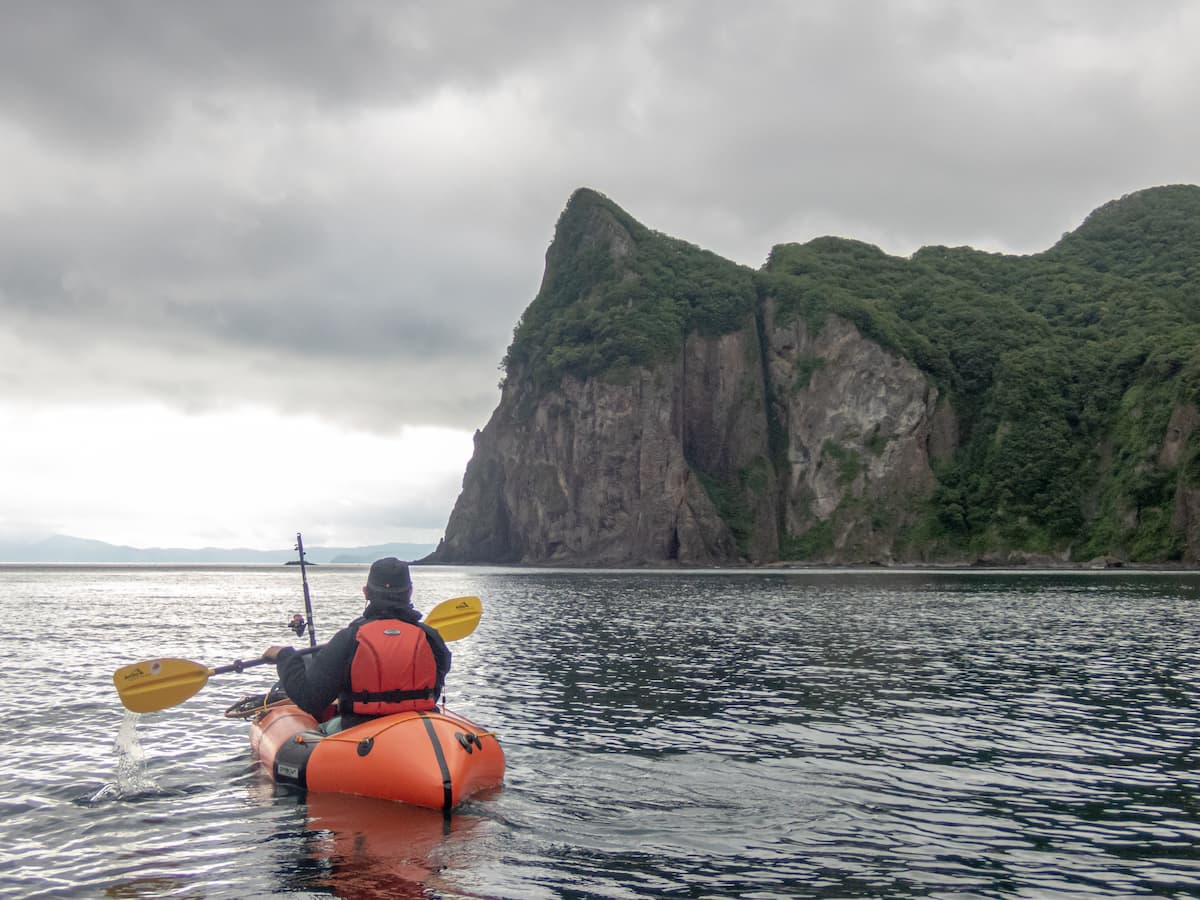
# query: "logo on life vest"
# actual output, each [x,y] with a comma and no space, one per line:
[392,631]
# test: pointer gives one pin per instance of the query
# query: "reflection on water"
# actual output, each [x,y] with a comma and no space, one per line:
[360,847]
[139,888]
[374,848]
[781,734]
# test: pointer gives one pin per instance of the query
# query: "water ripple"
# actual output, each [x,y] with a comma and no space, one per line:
[698,734]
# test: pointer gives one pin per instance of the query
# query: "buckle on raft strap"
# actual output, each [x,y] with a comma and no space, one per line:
[469,741]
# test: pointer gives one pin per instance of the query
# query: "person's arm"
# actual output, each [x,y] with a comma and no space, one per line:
[313,687]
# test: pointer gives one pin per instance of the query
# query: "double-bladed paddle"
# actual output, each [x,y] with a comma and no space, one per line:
[155,684]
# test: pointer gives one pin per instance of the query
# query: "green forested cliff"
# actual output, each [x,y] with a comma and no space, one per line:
[595,314]
[1074,373]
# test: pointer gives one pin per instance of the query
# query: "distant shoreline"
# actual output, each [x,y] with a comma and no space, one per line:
[67,550]
[665,570]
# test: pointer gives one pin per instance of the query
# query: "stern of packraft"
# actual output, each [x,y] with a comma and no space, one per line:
[434,759]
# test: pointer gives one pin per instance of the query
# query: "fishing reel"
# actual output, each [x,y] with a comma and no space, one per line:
[298,624]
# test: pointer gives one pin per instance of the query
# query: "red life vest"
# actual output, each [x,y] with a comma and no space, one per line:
[393,670]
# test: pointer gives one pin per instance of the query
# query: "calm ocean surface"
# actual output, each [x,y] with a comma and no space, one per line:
[696,734]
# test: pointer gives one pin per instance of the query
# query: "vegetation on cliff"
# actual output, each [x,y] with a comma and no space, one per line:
[616,295]
[1063,367]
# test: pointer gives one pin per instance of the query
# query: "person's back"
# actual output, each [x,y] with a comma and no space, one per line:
[384,662]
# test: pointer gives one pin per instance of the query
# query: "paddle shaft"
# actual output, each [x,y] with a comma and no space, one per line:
[239,665]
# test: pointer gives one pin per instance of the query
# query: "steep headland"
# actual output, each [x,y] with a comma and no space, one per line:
[663,405]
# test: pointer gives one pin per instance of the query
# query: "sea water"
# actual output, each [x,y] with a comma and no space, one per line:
[694,734]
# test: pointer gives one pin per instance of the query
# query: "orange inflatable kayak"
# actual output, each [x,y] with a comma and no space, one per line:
[434,759]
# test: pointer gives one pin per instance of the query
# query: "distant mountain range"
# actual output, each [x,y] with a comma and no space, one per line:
[65,549]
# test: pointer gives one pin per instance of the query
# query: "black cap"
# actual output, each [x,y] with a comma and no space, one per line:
[389,574]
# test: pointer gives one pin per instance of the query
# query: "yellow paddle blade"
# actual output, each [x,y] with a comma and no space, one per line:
[155,684]
[455,618]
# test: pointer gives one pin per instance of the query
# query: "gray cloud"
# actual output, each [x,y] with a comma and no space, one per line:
[111,72]
[315,205]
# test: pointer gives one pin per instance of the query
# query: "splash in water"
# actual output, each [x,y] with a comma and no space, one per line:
[132,779]
[131,761]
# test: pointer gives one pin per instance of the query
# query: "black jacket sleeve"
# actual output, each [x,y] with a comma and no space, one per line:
[313,687]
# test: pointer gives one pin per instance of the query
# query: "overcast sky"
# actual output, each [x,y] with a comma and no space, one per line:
[259,261]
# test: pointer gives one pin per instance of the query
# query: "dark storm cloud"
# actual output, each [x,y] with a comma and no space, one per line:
[271,292]
[315,204]
[287,282]
[115,70]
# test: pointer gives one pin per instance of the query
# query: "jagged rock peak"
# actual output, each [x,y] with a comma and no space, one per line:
[589,221]
[617,296]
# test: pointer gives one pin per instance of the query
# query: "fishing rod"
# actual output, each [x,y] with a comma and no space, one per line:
[298,625]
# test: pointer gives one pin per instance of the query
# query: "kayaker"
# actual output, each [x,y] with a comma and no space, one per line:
[384,662]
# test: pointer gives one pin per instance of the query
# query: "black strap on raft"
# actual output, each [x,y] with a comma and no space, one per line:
[447,787]
[390,696]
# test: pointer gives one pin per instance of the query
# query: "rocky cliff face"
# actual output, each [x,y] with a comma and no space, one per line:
[593,473]
[608,473]
[764,434]
[863,427]
[1181,433]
